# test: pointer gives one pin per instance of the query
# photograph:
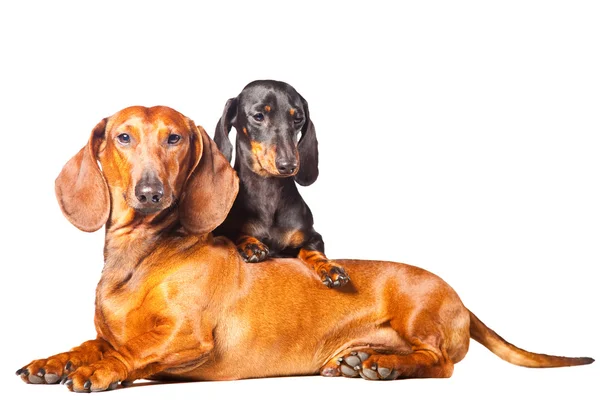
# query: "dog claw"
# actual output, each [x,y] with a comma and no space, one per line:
[335,278]
[126,384]
[87,384]
[253,252]
[22,371]
[113,386]
[342,280]
[63,380]
[68,365]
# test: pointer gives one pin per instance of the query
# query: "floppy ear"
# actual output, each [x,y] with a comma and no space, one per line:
[309,151]
[224,126]
[210,189]
[81,190]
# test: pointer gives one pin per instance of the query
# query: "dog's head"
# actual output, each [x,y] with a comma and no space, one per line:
[151,160]
[268,117]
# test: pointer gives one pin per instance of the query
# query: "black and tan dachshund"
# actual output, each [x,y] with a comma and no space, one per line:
[269,216]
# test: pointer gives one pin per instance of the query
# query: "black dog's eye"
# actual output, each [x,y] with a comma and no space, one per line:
[124,138]
[259,117]
[298,119]
[174,138]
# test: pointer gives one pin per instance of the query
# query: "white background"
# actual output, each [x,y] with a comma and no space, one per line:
[458,136]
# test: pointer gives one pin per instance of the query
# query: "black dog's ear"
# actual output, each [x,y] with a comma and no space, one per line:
[309,151]
[221,137]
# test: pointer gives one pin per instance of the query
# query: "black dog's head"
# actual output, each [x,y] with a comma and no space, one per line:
[269,116]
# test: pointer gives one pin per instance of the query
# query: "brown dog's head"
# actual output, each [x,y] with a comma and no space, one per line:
[151,159]
[268,116]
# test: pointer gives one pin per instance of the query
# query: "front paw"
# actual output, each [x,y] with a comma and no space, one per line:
[49,370]
[252,250]
[97,377]
[333,275]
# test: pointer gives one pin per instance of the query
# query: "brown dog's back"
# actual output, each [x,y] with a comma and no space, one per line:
[296,327]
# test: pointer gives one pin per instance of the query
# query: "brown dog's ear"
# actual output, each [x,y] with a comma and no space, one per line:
[81,190]
[210,189]
[309,151]
[224,126]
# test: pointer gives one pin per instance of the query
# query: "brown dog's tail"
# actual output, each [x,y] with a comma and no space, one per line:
[514,355]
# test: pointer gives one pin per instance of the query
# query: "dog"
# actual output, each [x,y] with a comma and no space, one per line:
[269,217]
[175,302]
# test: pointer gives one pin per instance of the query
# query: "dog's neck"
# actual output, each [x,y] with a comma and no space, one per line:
[131,235]
[132,238]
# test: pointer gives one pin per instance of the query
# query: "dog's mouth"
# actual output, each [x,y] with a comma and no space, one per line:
[270,170]
[149,210]
[280,175]
[265,163]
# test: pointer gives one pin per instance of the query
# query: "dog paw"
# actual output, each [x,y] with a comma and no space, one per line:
[97,377]
[356,364]
[333,276]
[49,370]
[253,251]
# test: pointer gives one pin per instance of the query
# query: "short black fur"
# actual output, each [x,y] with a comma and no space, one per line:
[268,117]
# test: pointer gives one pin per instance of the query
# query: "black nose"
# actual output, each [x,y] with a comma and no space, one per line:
[149,191]
[286,167]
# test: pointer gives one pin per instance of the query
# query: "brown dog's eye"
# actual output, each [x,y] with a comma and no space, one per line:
[173,139]
[124,138]
[259,117]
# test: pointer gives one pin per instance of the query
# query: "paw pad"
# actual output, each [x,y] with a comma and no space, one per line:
[351,366]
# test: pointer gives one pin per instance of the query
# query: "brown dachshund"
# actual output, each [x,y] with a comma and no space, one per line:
[174,302]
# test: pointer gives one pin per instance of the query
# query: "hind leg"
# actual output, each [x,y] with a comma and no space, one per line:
[387,365]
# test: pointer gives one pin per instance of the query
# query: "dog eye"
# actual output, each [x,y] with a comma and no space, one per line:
[298,119]
[124,138]
[259,117]
[174,138]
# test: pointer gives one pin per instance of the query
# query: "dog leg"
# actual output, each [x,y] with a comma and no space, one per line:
[54,369]
[312,253]
[331,274]
[388,365]
[251,249]
[167,346]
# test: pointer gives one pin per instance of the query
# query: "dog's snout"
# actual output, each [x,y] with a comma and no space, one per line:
[286,167]
[149,191]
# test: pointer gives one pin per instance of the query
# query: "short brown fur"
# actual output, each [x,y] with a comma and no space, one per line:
[174,302]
